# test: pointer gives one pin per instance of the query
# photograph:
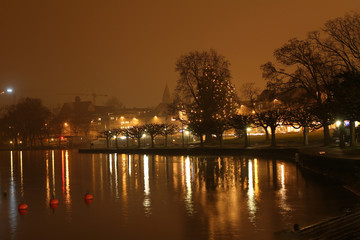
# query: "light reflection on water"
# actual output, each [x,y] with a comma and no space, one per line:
[194,197]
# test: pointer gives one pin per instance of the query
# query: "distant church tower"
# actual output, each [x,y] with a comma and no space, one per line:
[166,95]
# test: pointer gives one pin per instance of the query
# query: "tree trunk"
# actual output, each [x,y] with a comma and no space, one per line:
[342,134]
[273,140]
[208,137]
[127,141]
[183,138]
[246,138]
[221,140]
[306,135]
[326,134]
[266,133]
[116,142]
[138,142]
[152,141]
[352,133]
[166,140]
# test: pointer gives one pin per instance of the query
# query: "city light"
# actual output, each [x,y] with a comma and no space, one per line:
[8,90]
[338,123]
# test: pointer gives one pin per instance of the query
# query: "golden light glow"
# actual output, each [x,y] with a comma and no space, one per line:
[251,193]
[147,202]
[21,176]
[188,199]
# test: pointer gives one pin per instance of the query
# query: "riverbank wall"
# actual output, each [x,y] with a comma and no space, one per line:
[342,168]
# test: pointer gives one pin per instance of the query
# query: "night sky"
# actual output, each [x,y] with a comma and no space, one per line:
[55,50]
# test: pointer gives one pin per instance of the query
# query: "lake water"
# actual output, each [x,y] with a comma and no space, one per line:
[159,197]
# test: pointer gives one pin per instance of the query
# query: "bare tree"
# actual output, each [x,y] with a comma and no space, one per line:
[272,119]
[126,133]
[241,123]
[107,134]
[168,129]
[137,132]
[340,38]
[250,91]
[115,133]
[308,68]
[341,41]
[302,118]
[153,129]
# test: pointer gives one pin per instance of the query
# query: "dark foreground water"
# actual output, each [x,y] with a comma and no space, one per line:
[157,197]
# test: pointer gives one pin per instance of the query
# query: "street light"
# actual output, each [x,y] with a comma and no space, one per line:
[8,90]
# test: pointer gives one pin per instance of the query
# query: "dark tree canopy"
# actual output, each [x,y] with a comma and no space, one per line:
[27,121]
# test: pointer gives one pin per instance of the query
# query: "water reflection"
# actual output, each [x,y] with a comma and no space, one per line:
[21,176]
[282,192]
[147,202]
[188,173]
[53,172]
[66,180]
[251,193]
[206,195]
[12,197]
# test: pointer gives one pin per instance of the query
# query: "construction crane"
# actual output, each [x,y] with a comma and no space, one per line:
[93,95]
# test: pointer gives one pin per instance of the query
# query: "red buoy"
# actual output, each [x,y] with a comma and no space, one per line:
[54,203]
[23,206]
[88,197]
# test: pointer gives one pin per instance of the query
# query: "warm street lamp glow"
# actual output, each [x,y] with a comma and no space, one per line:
[66,124]
[338,123]
[7,90]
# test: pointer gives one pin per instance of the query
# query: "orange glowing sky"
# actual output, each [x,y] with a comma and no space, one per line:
[55,50]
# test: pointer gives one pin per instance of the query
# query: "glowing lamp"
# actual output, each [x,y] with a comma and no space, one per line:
[338,123]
